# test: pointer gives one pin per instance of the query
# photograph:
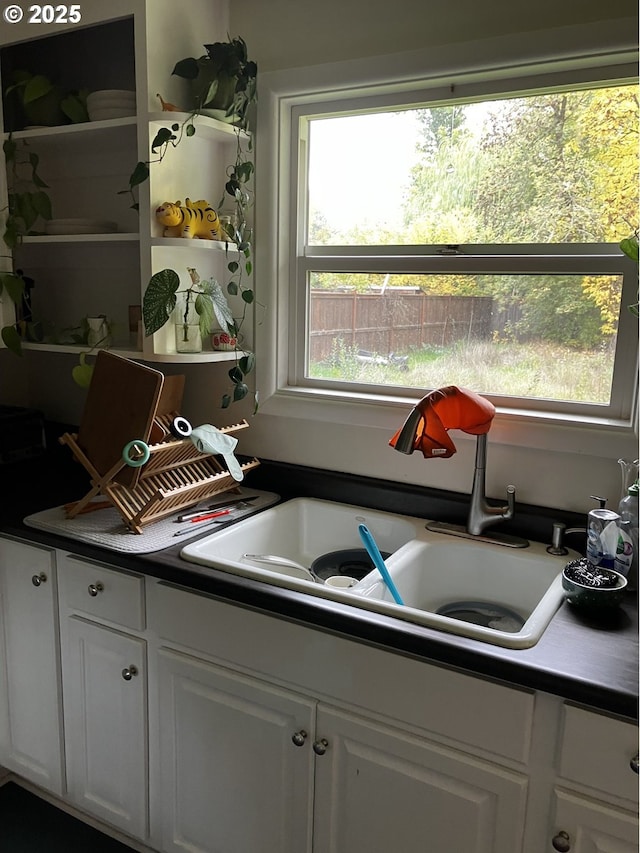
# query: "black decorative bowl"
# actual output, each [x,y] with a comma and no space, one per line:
[592,587]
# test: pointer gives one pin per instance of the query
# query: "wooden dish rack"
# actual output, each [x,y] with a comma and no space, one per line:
[175,475]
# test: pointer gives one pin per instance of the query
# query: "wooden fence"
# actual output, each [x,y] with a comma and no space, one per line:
[394,322]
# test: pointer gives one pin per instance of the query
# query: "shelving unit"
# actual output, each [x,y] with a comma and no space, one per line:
[87,167]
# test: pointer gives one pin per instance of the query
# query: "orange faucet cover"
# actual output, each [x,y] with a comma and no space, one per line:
[444,409]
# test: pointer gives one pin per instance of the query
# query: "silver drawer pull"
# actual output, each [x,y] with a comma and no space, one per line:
[320,746]
[633,764]
[37,580]
[129,671]
[561,842]
[299,738]
[94,588]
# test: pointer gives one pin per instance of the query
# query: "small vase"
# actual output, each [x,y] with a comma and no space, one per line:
[187,325]
[98,334]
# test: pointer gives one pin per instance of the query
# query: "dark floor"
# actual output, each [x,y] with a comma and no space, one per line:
[28,824]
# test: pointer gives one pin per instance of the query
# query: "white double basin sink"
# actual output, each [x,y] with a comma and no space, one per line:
[488,592]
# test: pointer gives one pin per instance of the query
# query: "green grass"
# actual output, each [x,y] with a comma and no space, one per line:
[532,369]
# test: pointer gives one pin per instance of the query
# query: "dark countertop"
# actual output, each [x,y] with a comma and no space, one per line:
[588,661]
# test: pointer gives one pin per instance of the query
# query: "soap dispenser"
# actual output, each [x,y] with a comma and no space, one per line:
[626,561]
[602,535]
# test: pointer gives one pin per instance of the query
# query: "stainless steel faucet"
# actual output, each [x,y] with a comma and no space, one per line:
[481,514]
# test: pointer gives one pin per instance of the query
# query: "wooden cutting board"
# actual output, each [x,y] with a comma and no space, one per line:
[121,404]
[170,403]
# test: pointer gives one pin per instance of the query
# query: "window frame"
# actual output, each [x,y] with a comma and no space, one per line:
[283,387]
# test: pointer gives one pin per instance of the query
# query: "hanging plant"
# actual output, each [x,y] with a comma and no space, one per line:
[27,202]
[212,90]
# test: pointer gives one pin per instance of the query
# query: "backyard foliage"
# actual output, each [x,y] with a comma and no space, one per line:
[553,168]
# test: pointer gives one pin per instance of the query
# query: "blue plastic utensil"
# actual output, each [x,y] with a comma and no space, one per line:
[374,552]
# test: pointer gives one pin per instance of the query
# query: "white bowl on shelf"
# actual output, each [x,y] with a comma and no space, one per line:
[111,103]
[104,113]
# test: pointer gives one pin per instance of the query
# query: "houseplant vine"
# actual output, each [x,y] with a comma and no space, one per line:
[224,81]
[27,202]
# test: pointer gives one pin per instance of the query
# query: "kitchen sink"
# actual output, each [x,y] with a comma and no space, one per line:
[488,592]
[301,530]
[500,595]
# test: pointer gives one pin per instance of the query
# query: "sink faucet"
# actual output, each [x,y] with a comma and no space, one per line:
[425,430]
[481,514]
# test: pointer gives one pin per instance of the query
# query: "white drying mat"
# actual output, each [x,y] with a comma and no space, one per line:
[106,528]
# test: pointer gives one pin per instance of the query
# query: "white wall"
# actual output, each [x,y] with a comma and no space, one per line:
[551,464]
[289,33]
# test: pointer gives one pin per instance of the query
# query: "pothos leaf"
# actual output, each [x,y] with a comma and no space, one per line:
[240,391]
[235,375]
[82,373]
[163,136]
[11,339]
[630,247]
[139,174]
[247,363]
[13,285]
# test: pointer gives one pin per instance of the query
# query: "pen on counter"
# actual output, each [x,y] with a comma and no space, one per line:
[194,530]
[187,516]
[207,515]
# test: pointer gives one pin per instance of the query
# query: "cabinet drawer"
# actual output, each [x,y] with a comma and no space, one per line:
[597,750]
[108,594]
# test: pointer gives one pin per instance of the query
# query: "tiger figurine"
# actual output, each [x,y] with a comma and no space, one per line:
[195,219]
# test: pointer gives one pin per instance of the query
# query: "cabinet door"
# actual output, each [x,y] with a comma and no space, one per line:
[591,827]
[380,790]
[31,737]
[103,674]
[236,762]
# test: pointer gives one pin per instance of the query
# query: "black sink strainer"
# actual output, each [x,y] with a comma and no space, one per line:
[483,613]
[350,562]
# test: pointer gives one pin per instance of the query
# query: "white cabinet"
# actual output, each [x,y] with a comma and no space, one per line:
[86,166]
[251,766]
[198,726]
[105,694]
[378,789]
[247,768]
[236,761]
[595,798]
[582,825]
[30,724]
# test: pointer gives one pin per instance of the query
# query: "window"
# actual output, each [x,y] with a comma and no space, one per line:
[451,239]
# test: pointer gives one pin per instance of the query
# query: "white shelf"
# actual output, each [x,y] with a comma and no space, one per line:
[205,125]
[82,129]
[137,355]
[91,163]
[53,239]
[194,243]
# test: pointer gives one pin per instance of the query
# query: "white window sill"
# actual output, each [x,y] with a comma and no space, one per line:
[554,432]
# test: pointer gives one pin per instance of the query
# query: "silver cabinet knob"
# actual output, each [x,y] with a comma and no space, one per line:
[561,842]
[320,746]
[94,588]
[37,580]
[633,764]
[299,738]
[129,671]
